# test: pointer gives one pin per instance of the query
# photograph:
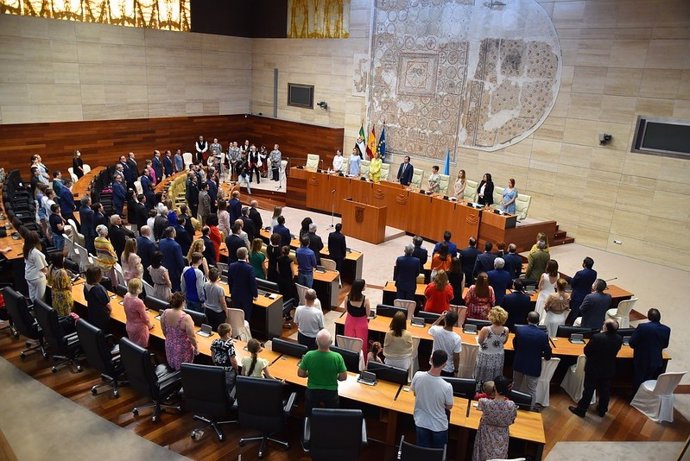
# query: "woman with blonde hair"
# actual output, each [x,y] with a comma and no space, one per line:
[480,298]
[277,211]
[438,293]
[557,308]
[131,262]
[198,246]
[460,184]
[62,292]
[398,345]
[106,258]
[491,340]
[138,323]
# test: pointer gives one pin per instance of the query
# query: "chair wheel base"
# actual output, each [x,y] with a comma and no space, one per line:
[94,390]
[135,412]
[54,369]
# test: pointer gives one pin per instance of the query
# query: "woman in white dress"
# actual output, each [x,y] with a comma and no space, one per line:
[460,184]
[547,285]
[557,308]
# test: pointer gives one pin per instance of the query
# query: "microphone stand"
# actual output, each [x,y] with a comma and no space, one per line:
[332,226]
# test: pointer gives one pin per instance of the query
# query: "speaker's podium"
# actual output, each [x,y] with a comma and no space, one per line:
[364,222]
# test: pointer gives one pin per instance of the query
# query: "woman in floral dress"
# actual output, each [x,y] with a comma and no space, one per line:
[491,340]
[497,416]
[178,329]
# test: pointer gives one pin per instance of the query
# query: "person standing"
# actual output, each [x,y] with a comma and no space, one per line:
[204,207]
[420,252]
[35,266]
[556,308]
[531,345]
[88,226]
[601,352]
[178,330]
[485,190]
[581,285]
[354,163]
[119,194]
[201,147]
[433,399]
[157,165]
[468,256]
[215,305]
[67,201]
[406,270]
[306,263]
[398,344]
[537,261]
[315,243]
[192,284]
[447,340]
[242,283]
[338,162]
[513,262]
[491,340]
[498,413]
[595,305]
[358,309]
[500,280]
[337,247]
[438,293]
[138,323]
[309,320]
[235,207]
[648,342]
[57,227]
[323,369]
[168,164]
[405,172]
[159,277]
[375,168]
[178,160]
[275,158]
[77,164]
[172,257]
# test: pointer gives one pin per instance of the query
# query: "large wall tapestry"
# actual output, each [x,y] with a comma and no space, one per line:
[152,14]
[461,73]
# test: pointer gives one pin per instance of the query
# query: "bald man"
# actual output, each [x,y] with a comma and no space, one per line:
[323,369]
[601,353]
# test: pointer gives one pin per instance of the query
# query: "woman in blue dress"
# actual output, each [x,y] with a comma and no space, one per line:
[509,196]
[354,162]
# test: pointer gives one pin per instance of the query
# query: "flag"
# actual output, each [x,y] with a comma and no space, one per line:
[362,134]
[382,144]
[361,144]
[371,142]
[446,168]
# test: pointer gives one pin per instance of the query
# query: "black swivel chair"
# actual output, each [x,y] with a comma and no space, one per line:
[98,349]
[25,323]
[157,381]
[325,444]
[479,323]
[521,399]
[410,452]
[261,407]
[63,348]
[206,394]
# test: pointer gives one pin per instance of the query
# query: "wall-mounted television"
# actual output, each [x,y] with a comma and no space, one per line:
[659,136]
[301,95]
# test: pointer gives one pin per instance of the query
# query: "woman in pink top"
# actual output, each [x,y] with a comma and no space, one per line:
[138,323]
[131,262]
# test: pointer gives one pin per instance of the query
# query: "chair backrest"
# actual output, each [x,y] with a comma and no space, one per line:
[385,171]
[329,264]
[291,348]
[260,403]
[444,181]
[387,310]
[470,194]
[667,382]
[417,177]
[18,310]
[479,323]
[312,162]
[343,444]
[411,452]
[348,342]
[187,159]
[388,373]
[462,313]
[139,367]
[138,187]
[47,318]
[580,366]
[148,289]
[301,292]
[625,306]
[156,304]
[468,360]
[564,331]
[548,368]
[205,390]
[86,167]
[410,305]
[522,203]
[235,318]
[119,274]
[350,358]
[522,399]
[364,168]
[93,343]
[498,194]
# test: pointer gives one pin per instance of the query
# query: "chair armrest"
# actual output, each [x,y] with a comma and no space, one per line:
[290,402]
[365,440]
[306,437]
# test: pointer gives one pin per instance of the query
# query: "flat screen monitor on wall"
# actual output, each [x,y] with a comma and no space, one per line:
[659,136]
[301,95]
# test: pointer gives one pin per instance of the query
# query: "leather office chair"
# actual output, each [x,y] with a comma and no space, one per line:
[24,323]
[157,381]
[325,444]
[261,407]
[385,171]
[98,348]
[206,394]
[312,163]
[444,181]
[408,451]
[364,168]
[522,399]
[63,348]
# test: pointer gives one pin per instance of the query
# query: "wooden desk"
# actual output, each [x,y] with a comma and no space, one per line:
[364,222]
[528,426]
[267,315]
[83,186]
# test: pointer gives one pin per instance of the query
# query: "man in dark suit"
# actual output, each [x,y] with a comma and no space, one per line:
[518,304]
[513,262]
[234,241]
[581,284]
[148,189]
[600,368]
[141,214]
[157,165]
[145,250]
[192,193]
[420,252]
[168,164]
[315,243]
[452,248]
[284,232]
[405,274]
[242,283]
[160,223]
[119,194]
[485,261]
[531,345]
[255,216]
[128,171]
[405,172]
[88,226]
[248,225]
[209,249]
[468,256]
[500,280]
[172,257]
[337,248]
[235,207]
[649,341]
[133,168]
[118,235]
[182,236]
[593,308]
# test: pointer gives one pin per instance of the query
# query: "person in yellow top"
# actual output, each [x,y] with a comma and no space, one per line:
[375,168]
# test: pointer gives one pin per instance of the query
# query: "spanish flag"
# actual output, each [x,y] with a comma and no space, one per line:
[371,143]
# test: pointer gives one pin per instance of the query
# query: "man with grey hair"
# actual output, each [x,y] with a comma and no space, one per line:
[323,369]
[118,234]
[594,306]
[145,249]
[500,280]
[255,216]
[315,243]
[407,268]
[513,262]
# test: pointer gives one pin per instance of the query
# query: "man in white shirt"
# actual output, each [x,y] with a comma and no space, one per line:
[433,397]
[309,320]
[338,161]
[447,340]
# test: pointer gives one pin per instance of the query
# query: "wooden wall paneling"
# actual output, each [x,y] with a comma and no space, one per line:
[297,188]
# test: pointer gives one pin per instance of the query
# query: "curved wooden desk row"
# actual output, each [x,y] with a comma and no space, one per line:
[83,184]
[409,210]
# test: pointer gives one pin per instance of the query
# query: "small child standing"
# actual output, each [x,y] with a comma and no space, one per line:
[488,391]
[223,355]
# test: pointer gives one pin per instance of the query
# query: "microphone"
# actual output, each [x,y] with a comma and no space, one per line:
[610,280]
